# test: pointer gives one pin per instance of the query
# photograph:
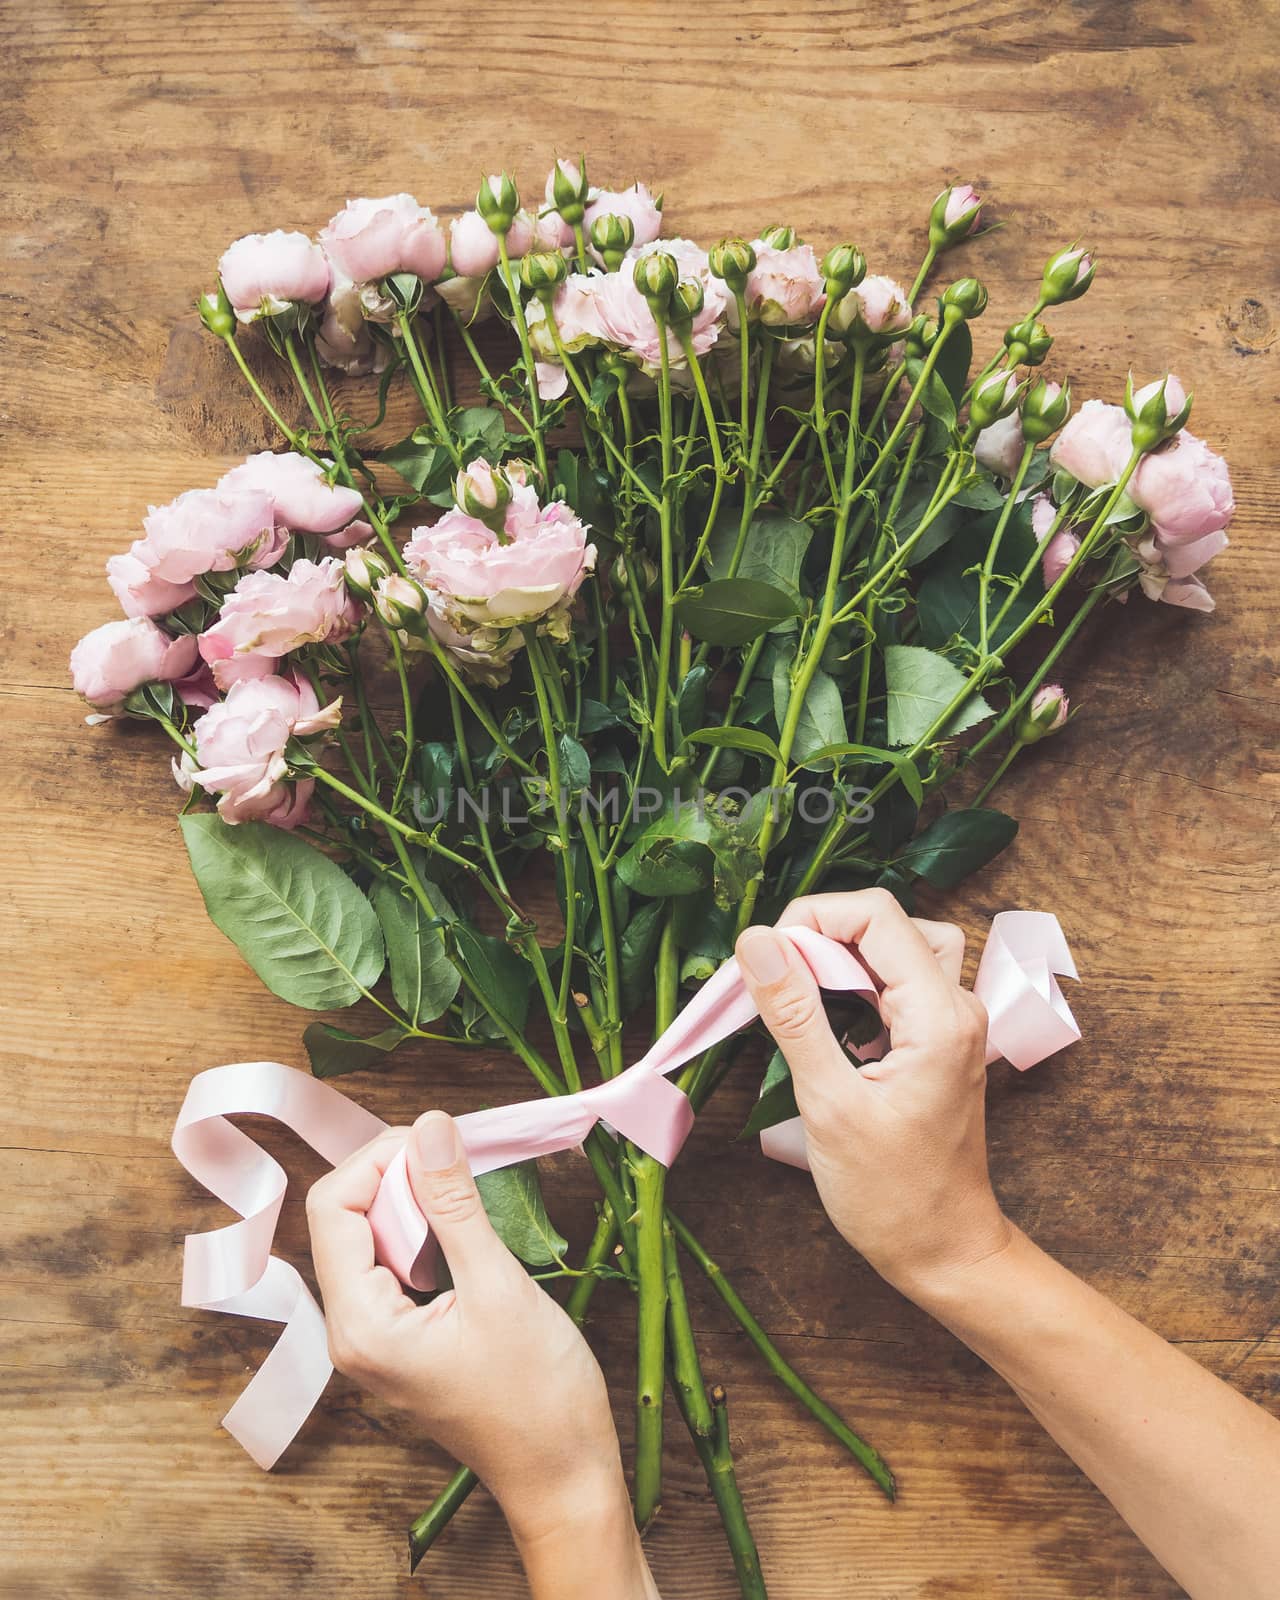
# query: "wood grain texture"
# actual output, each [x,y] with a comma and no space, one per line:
[139,139]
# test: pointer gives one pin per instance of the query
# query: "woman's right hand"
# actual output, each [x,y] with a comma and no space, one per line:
[897,1147]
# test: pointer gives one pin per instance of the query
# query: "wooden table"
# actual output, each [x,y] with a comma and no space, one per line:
[141,139]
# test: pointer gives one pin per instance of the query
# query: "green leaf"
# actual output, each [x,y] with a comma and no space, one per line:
[575,764]
[670,855]
[921,685]
[822,719]
[956,844]
[953,364]
[423,978]
[636,950]
[757,743]
[691,702]
[777,1102]
[906,769]
[333,1051]
[484,426]
[295,916]
[773,552]
[501,976]
[936,400]
[733,611]
[513,1198]
[427,467]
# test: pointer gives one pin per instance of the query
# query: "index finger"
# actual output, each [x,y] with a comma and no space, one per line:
[341,1238]
[888,941]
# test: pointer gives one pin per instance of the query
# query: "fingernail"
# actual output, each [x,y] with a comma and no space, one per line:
[761,955]
[435,1141]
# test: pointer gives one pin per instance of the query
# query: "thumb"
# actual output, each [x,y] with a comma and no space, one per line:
[442,1183]
[791,1008]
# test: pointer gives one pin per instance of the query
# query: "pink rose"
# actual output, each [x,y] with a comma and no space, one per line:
[473,245]
[1095,445]
[268,614]
[369,240]
[876,305]
[635,203]
[1157,582]
[999,447]
[1185,488]
[304,499]
[343,339]
[476,581]
[203,530]
[483,655]
[785,287]
[240,747]
[119,657]
[267,273]
[623,316]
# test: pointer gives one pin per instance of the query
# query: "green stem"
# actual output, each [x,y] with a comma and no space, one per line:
[710,1441]
[865,1455]
[717,455]
[426,1529]
[666,622]
[926,267]
[1010,757]
[993,549]
[526,355]
[426,387]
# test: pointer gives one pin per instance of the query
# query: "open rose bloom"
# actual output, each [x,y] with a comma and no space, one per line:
[484,584]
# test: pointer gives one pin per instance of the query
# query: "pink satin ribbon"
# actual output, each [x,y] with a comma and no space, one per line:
[232,1269]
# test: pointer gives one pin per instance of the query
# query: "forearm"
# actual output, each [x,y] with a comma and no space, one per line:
[1191,1465]
[591,1551]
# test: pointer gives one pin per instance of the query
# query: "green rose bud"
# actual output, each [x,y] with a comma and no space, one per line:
[780,236]
[400,603]
[543,272]
[498,201]
[1028,343]
[365,569]
[569,189]
[217,313]
[612,236]
[1066,276]
[1044,410]
[686,302]
[732,260]
[920,336]
[1157,411]
[965,298]
[843,267]
[656,276]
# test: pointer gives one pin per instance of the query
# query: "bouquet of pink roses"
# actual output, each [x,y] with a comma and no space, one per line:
[706,578]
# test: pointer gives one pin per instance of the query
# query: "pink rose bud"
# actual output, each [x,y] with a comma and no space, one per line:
[240,745]
[202,531]
[1059,553]
[877,307]
[568,191]
[111,662]
[498,201]
[1095,445]
[1066,276]
[999,446]
[1157,411]
[482,491]
[1045,715]
[1185,489]
[995,397]
[954,215]
[268,614]
[473,248]
[785,288]
[365,568]
[304,497]
[266,274]
[370,240]
[637,204]
[400,602]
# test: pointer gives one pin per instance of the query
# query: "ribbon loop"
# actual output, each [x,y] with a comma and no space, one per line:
[232,1269]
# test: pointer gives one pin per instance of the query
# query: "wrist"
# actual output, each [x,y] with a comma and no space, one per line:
[544,1510]
[581,1543]
[955,1264]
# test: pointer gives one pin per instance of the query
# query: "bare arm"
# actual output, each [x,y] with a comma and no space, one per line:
[898,1152]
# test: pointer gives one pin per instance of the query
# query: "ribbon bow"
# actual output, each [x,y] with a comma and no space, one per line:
[232,1269]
